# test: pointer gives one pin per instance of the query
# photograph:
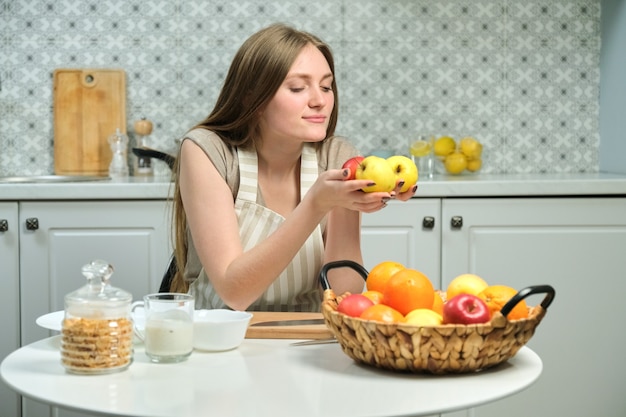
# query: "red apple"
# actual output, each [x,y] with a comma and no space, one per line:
[354,304]
[352,163]
[465,309]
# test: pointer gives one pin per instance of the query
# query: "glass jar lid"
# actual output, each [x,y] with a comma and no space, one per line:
[98,298]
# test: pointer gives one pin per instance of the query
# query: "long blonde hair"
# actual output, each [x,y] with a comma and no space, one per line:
[256,72]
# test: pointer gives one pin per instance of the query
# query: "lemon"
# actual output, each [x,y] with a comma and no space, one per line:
[423,317]
[470,147]
[474,165]
[455,163]
[444,146]
[465,284]
[420,148]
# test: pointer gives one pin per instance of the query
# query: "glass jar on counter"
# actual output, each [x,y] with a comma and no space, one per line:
[97,330]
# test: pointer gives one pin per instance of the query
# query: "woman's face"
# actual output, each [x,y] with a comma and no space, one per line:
[301,108]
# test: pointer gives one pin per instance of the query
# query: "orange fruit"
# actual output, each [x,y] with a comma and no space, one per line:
[382,313]
[375,296]
[380,274]
[465,284]
[408,290]
[496,296]
[438,302]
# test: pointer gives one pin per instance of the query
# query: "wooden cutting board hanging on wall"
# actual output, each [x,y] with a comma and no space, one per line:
[89,105]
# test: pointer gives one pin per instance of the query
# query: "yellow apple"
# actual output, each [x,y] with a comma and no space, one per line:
[404,169]
[423,317]
[465,284]
[377,170]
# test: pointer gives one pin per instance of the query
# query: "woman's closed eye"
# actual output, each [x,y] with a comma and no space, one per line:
[299,89]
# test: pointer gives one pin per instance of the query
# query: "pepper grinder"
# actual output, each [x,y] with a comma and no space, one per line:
[142,164]
[119,147]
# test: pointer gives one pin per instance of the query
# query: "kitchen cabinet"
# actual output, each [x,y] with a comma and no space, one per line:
[574,244]
[406,232]
[9,299]
[54,239]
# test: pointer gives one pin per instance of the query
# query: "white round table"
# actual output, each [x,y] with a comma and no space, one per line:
[263,377]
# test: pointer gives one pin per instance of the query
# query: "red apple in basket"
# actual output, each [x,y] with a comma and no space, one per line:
[465,309]
[354,304]
[352,164]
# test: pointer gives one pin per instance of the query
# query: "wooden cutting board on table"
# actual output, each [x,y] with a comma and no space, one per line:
[89,105]
[302,331]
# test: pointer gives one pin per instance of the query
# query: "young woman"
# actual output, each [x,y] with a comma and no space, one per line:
[260,201]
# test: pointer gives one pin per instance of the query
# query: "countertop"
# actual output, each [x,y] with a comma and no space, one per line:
[523,185]
[475,185]
[131,188]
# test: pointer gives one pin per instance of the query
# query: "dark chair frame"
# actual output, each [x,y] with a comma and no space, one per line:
[166,282]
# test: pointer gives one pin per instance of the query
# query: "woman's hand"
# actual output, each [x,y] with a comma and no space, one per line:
[332,190]
[405,196]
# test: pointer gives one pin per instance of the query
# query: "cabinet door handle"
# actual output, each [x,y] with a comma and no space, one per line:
[428,222]
[456,222]
[32,223]
[4,225]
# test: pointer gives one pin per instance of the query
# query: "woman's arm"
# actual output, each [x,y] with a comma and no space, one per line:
[343,241]
[241,277]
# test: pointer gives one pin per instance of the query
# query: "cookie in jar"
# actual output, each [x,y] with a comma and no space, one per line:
[97,330]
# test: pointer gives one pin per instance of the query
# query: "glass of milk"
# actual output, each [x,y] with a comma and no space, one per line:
[168,331]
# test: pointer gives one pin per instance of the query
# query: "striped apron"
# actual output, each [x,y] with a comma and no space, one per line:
[297,287]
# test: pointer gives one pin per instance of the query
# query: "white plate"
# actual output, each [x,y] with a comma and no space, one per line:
[54,321]
[51,321]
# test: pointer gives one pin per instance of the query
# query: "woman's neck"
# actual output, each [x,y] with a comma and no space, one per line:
[279,177]
[279,160]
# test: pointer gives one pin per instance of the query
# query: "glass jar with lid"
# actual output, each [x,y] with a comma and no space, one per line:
[97,330]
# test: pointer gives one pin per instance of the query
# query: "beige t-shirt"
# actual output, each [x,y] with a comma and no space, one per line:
[330,155]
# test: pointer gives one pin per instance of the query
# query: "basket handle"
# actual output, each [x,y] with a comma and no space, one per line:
[340,264]
[525,292]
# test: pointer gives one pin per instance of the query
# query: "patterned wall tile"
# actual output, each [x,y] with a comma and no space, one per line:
[523,77]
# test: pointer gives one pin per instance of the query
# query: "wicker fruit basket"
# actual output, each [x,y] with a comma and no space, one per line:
[444,349]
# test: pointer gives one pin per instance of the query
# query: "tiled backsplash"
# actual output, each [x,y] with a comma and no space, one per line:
[520,76]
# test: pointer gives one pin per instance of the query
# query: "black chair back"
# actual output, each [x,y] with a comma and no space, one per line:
[166,282]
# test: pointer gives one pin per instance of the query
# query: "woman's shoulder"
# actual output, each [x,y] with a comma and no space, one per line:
[222,155]
[207,139]
[334,151]
[212,145]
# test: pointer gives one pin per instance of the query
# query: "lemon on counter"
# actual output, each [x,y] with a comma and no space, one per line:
[474,165]
[444,146]
[420,148]
[470,147]
[455,163]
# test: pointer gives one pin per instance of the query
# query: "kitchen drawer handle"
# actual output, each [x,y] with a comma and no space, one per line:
[4,225]
[32,223]
[456,222]
[428,222]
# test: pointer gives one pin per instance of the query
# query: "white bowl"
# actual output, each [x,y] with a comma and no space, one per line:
[220,329]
